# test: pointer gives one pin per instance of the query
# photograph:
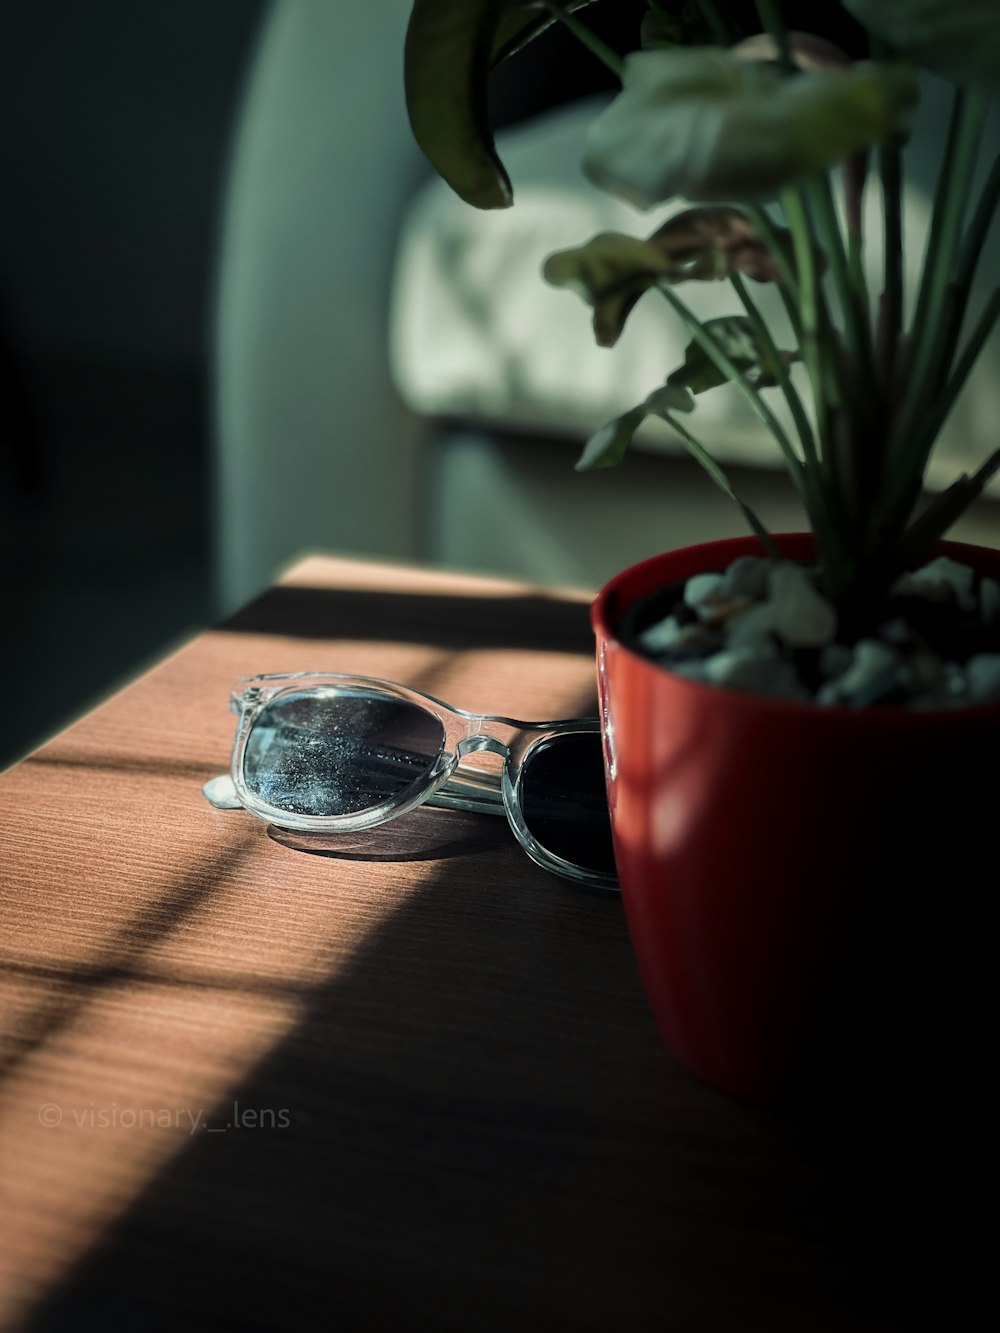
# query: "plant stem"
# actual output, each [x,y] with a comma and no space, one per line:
[828,504]
[856,318]
[891,311]
[763,335]
[732,372]
[968,115]
[758,216]
[788,286]
[855,265]
[971,250]
[904,495]
[701,455]
[922,395]
[773,22]
[945,400]
[816,501]
[890,306]
[979,226]
[808,302]
[942,512]
[589,39]
[716,20]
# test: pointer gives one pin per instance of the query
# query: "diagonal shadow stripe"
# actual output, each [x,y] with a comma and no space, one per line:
[152,767]
[185,895]
[547,624]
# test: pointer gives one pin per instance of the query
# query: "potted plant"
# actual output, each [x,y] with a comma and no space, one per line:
[793,849]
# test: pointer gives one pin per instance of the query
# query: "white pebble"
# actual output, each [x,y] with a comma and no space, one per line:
[982,675]
[747,577]
[700,589]
[669,638]
[871,659]
[802,617]
[660,637]
[745,670]
[942,579]
[751,628]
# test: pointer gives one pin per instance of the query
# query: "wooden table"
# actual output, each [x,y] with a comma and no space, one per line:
[409,1085]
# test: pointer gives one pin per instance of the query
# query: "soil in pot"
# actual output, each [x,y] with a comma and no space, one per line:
[765,627]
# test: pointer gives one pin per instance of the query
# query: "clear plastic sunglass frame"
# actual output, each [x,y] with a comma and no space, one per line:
[447,782]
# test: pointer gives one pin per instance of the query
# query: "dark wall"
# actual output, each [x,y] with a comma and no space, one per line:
[115,125]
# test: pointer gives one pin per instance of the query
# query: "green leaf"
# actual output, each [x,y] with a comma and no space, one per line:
[522,22]
[450,47]
[703,124]
[608,447]
[612,271]
[958,38]
[736,337]
[446,62]
[944,510]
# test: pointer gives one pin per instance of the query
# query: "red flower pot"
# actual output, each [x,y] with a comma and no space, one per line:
[803,886]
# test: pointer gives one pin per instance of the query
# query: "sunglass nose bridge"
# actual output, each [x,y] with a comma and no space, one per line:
[474,744]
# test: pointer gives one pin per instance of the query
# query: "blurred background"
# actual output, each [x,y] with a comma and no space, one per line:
[239,320]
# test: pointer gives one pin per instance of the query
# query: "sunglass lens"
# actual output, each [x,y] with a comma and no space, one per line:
[338,752]
[564,800]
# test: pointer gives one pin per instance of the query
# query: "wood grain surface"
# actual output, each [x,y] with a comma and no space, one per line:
[408,1083]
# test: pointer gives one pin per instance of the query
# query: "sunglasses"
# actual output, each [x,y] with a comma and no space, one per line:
[327,754]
